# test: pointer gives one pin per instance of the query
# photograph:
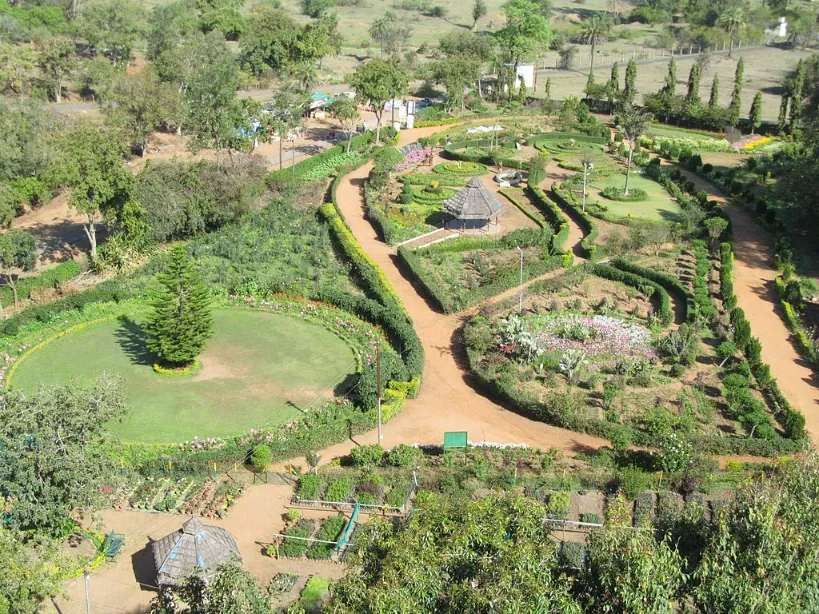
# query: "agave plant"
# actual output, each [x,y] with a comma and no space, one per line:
[570,361]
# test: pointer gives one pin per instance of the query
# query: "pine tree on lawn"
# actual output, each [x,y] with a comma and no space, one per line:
[181,323]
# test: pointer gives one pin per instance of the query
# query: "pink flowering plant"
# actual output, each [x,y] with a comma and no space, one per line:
[413,157]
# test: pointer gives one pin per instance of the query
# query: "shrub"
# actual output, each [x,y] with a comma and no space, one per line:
[262,457]
[559,504]
[338,490]
[310,486]
[364,456]
[634,194]
[402,455]
[294,548]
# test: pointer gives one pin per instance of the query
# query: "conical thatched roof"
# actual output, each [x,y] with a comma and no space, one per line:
[474,202]
[195,548]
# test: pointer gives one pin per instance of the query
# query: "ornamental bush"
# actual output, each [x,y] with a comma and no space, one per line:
[262,457]
[634,194]
[402,455]
[363,456]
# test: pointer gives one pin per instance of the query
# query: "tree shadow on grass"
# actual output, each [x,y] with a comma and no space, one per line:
[133,339]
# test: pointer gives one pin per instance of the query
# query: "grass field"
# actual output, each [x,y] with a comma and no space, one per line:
[682,133]
[260,369]
[658,206]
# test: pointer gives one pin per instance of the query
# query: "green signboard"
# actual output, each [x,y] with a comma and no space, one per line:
[455,439]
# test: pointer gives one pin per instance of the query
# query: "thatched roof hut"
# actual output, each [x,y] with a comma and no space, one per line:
[473,203]
[196,548]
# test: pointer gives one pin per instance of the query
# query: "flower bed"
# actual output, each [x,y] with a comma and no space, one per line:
[599,336]
[329,165]
[427,178]
[412,157]
[464,169]
[330,530]
[752,143]
[295,548]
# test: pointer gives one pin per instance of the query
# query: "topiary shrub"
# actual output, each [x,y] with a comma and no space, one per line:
[364,456]
[262,457]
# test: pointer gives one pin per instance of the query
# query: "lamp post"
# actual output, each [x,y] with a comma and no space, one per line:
[587,166]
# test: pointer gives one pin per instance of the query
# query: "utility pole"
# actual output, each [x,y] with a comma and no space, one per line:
[378,383]
[87,598]
[520,294]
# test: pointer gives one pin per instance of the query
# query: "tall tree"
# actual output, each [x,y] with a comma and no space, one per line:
[455,73]
[670,87]
[630,90]
[31,570]
[478,12]
[713,99]
[632,122]
[289,104]
[269,41]
[694,77]
[181,323]
[137,104]
[376,82]
[525,31]
[54,463]
[732,20]
[462,43]
[382,30]
[91,163]
[56,57]
[112,25]
[614,78]
[18,252]
[736,93]
[782,120]
[796,92]
[594,31]
[755,114]
[346,112]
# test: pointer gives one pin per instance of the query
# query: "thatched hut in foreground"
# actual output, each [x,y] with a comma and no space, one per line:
[196,548]
[473,207]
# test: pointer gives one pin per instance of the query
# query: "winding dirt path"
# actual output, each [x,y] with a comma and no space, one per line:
[447,400]
[754,275]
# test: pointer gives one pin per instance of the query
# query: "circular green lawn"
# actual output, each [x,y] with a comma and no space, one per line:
[658,206]
[259,370]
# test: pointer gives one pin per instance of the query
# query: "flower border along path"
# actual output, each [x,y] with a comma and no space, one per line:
[446,401]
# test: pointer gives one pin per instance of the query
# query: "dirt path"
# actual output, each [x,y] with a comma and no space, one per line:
[754,275]
[58,229]
[447,400]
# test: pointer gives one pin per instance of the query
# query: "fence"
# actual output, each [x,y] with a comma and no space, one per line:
[365,507]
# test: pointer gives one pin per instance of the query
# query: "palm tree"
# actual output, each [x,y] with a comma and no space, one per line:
[305,74]
[382,29]
[632,122]
[594,31]
[732,21]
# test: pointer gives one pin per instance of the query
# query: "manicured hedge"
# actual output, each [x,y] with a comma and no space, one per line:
[659,294]
[671,284]
[553,214]
[791,419]
[804,341]
[454,151]
[701,294]
[538,139]
[510,195]
[567,201]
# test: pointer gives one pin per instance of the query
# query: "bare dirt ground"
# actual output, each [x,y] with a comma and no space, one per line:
[126,586]
[756,293]
[58,229]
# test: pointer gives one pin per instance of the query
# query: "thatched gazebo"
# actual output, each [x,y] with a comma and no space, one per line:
[473,207]
[196,548]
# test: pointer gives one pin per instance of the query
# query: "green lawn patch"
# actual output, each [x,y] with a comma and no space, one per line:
[259,370]
[658,204]
[681,133]
[313,594]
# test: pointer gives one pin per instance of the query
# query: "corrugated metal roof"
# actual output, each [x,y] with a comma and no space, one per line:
[474,202]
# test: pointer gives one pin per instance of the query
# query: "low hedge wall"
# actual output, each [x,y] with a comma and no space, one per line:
[804,341]
[507,192]
[701,294]
[565,136]
[791,419]
[590,230]
[453,151]
[553,214]
[659,294]
[671,284]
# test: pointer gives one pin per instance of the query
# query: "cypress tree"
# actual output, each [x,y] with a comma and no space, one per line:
[694,77]
[590,84]
[547,90]
[630,91]
[755,114]
[713,101]
[734,107]
[181,323]
[670,87]
[614,79]
[783,113]
[796,96]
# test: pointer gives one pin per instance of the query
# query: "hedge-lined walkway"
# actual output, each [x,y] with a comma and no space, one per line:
[754,275]
[447,402]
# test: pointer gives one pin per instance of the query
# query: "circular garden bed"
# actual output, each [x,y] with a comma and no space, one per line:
[260,369]
[567,147]
[431,196]
[461,168]
[502,153]
[634,194]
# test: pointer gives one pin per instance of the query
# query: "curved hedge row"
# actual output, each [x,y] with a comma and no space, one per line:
[507,192]
[553,214]
[805,343]
[665,312]
[537,139]
[581,219]
[453,150]
[672,284]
